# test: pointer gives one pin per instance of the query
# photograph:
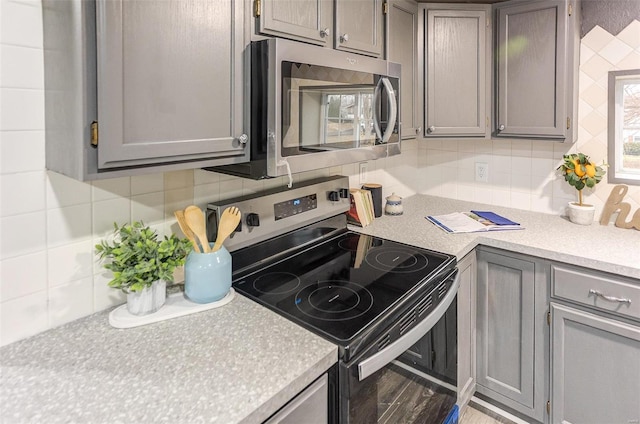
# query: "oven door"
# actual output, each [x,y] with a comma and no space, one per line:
[412,379]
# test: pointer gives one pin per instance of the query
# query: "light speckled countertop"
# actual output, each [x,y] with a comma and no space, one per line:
[604,248]
[237,363]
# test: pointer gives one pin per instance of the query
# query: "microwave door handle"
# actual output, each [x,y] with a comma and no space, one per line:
[395,349]
[393,109]
[376,119]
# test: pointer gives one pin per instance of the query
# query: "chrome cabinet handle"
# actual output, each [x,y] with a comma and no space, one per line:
[609,298]
[501,127]
[325,32]
[243,139]
[344,38]
[431,129]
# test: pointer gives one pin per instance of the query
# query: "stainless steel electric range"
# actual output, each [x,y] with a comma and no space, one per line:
[389,307]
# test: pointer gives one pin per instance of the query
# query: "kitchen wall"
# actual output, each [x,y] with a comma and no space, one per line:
[50,223]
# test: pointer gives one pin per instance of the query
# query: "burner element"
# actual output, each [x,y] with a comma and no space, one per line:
[334,300]
[276,283]
[397,260]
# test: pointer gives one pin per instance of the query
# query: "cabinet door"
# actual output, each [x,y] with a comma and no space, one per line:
[303,20]
[311,406]
[595,369]
[360,26]
[169,81]
[511,331]
[531,69]
[456,73]
[402,47]
[467,329]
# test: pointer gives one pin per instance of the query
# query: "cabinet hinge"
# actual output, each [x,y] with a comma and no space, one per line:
[385,7]
[548,407]
[94,134]
[548,317]
[570,9]
[568,123]
[257,7]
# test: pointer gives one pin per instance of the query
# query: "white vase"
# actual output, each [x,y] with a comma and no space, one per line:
[582,215]
[148,300]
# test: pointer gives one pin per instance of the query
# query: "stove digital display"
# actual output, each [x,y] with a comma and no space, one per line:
[295,206]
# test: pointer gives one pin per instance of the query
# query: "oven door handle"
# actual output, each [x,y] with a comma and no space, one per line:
[395,349]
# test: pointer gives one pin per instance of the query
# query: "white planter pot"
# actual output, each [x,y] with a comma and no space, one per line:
[582,215]
[149,300]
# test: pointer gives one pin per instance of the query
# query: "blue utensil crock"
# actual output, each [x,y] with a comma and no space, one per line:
[207,276]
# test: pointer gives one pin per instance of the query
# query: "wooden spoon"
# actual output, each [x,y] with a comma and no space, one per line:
[186,230]
[194,218]
[229,220]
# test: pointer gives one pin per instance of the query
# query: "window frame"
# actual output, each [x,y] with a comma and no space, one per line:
[614,147]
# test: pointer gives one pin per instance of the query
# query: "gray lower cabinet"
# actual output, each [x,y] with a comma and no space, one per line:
[135,87]
[536,66]
[595,368]
[512,330]
[595,347]
[402,48]
[311,406]
[310,21]
[358,28]
[456,70]
[467,329]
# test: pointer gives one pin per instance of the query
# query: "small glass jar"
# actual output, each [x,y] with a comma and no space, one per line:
[207,276]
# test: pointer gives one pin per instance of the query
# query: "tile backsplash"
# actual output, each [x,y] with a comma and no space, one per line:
[49,223]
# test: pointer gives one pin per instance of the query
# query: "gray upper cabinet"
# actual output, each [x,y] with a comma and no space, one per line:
[360,27]
[536,61]
[303,20]
[512,332]
[457,52]
[402,47]
[163,83]
[595,368]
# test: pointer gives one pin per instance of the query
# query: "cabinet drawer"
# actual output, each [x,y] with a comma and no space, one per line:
[596,290]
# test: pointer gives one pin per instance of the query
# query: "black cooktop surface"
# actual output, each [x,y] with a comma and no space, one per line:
[340,286]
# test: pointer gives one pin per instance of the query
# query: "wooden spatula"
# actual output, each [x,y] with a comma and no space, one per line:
[186,230]
[194,218]
[229,220]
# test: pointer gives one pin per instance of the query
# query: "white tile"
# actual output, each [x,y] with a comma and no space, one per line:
[148,183]
[22,193]
[22,234]
[521,148]
[465,192]
[520,165]
[255,186]
[178,179]
[542,149]
[148,208]
[22,67]
[21,151]
[632,61]
[70,262]
[594,95]
[501,198]
[594,123]
[67,225]
[23,317]
[175,200]
[23,275]
[615,51]
[520,183]
[229,189]
[631,34]
[26,111]
[596,68]
[483,194]
[111,188]
[64,191]
[104,296]
[541,167]
[70,301]
[586,53]
[521,200]
[500,180]
[597,38]
[200,176]
[206,193]
[108,212]
[21,24]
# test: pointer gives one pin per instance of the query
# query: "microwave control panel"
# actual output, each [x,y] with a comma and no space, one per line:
[295,206]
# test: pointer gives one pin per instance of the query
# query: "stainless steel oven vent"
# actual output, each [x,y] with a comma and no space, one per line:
[424,305]
[384,341]
[408,321]
[442,289]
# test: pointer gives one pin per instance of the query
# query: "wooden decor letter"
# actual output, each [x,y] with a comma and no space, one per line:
[615,204]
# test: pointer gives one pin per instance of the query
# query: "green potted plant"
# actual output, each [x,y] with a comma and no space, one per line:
[142,264]
[580,172]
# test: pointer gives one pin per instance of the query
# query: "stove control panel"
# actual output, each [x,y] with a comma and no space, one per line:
[273,212]
[295,206]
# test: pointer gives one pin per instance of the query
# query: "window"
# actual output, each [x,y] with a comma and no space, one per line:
[624,127]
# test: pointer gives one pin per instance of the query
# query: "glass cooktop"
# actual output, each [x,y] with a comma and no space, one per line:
[340,286]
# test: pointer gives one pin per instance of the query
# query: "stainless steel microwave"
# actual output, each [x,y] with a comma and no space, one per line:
[314,107]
